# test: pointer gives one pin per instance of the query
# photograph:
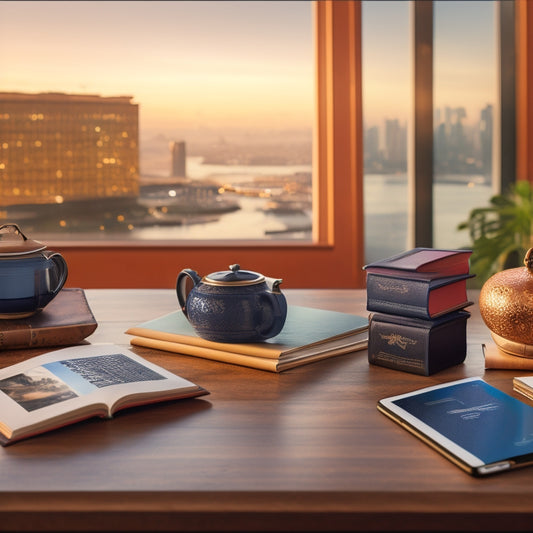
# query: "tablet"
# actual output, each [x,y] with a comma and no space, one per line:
[478,427]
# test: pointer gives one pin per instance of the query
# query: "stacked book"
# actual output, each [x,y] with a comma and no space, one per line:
[66,320]
[308,335]
[417,302]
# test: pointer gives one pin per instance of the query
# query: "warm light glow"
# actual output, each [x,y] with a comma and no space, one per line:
[208,64]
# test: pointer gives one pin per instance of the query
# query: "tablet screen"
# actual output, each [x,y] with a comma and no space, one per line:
[469,418]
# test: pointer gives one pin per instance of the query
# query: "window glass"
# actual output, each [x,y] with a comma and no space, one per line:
[465,85]
[464,96]
[386,64]
[161,119]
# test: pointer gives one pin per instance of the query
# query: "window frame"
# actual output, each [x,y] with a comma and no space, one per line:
[335,257]
[524,88]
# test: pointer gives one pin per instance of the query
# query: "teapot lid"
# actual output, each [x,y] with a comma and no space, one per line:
[234,277]
[13,242]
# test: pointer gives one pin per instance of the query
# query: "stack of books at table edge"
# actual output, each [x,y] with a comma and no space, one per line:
[66,320]
[524,385]
[308,335]
[417,301]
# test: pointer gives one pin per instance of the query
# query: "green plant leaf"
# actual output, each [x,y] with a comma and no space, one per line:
[500,233]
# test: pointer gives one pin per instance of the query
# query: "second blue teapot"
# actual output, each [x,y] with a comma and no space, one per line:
[233,305]
[30,276]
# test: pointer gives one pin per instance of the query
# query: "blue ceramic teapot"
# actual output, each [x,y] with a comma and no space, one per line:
[30,276]
[233,305]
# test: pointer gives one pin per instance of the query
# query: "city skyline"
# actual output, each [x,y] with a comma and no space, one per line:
[464,57]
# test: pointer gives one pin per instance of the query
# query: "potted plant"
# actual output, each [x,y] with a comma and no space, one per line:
[501,233]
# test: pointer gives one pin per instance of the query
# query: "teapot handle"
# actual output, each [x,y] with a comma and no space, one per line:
[57,276]
[181,286]
[278,305]
[62,270]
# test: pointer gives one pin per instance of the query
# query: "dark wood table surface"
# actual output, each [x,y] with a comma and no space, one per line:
[304,450]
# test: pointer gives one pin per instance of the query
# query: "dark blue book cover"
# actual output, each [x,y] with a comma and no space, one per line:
[415,345]
[439,262]
[423,298]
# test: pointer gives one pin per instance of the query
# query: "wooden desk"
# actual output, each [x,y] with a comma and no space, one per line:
[305,450]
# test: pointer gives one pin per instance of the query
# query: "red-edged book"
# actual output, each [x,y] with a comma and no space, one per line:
[431,262]
[425,298]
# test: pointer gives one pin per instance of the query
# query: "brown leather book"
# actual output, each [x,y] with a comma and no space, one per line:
[495,357]
[67,319]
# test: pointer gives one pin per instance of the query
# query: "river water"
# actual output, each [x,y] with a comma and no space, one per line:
[385,200]
[386,206]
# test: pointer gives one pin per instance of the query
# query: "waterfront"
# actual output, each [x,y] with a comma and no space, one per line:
[386,205]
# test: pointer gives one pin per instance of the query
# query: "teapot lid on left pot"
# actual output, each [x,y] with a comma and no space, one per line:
[14,243]
[233,277]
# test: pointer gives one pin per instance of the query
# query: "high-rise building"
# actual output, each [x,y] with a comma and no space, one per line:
[486,138]
[178,159]
[395,144]
[57,147]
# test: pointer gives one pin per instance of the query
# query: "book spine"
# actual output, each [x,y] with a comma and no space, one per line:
[398,346]
[397,296]
[33,338]
[15,339]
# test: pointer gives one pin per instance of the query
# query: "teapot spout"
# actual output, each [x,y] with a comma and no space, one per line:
[273,284]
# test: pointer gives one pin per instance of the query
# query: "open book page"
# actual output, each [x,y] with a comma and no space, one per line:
[79,382]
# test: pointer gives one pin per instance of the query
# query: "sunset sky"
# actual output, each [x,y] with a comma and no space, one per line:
[464,59]
[194,61]
[223,64]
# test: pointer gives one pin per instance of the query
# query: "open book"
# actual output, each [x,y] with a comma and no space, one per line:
[80,382]
[308,335]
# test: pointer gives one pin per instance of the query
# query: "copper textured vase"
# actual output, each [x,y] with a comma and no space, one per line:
[506,306]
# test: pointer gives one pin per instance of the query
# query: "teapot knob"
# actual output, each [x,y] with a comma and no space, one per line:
[235,267]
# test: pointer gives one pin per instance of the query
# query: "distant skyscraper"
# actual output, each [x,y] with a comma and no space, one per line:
[57,147]
[178,159]
[485,132]
[395,144]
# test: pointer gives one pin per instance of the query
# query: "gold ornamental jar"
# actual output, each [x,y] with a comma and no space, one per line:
[506,306]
